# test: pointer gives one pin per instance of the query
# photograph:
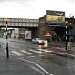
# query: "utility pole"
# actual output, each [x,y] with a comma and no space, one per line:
[7,53]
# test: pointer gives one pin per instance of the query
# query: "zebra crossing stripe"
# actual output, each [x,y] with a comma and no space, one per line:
[16,53]
[45,50]
[28,53]
[31,56]
[36,51]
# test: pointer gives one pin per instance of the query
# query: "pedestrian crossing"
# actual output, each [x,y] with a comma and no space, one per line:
[28,53]
[43,50]
[25,52]
[38,52]
[16,53]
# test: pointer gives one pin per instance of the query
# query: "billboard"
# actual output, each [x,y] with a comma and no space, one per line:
[55,17]
[27,34]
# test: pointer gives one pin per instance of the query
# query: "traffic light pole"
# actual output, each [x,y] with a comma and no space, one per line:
[7,53]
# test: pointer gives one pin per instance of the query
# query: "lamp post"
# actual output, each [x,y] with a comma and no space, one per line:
[7,53]
[66,34]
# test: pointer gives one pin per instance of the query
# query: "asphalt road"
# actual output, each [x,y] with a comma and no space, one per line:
[31,61]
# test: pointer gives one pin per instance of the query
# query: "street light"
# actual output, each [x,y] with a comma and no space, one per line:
[7,54]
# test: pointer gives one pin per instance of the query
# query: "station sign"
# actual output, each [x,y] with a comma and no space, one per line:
[47,33]
[55,17]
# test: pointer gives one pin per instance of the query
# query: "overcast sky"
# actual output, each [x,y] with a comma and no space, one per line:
[34,8]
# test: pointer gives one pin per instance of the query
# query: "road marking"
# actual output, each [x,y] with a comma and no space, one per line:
[4,50]
[31,56]
[41,55]
[36,69]
[35,64]
[39,52]
[23,51]
[44,50]
[16,53]
[59,48]
[36,56]
[11,54]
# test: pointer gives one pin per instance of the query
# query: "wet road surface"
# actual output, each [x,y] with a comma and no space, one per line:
[38,62]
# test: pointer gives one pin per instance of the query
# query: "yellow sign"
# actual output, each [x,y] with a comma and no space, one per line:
[55,18]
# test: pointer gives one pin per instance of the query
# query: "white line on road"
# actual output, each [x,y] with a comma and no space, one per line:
[39,52]
[36,69]
[36,65]
[44,50]
[16,53]
[11,54]
[4,50]
[31,56]
[36,56]
[23,51]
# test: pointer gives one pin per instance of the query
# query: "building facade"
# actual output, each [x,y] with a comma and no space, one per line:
[56,32]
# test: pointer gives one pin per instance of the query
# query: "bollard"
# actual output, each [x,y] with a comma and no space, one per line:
[45,43]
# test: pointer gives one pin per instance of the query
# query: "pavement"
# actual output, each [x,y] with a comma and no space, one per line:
[59,49]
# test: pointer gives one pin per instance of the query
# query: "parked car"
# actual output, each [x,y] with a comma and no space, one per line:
[41,42]
[37,40]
